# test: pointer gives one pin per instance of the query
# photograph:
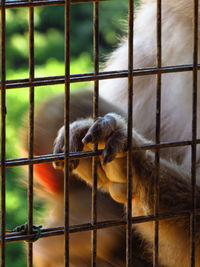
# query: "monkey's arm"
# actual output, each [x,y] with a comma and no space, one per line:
[110,132]
[175,195]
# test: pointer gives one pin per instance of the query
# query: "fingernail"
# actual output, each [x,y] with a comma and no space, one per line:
[87,139]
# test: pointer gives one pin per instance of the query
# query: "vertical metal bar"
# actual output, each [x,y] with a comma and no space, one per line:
[194,134]
[158,117]
[31,133]
[3,131]
[130,126]
[95,115]
[66,123]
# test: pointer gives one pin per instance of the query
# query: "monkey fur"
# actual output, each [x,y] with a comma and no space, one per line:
[176,125]
[48,183]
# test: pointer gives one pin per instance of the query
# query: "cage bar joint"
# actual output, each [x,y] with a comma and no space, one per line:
[23,229]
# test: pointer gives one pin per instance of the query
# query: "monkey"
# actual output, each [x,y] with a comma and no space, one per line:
[49,184]
[110,131]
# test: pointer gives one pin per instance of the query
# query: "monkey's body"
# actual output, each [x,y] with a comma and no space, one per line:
[176,97]
[176,112]
[176,125]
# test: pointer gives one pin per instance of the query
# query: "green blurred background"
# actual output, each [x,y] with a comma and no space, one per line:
[49,60]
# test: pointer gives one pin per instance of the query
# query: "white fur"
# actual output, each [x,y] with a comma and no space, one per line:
[176,100]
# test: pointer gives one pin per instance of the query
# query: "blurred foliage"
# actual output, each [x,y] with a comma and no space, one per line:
[49,60]
[49,31]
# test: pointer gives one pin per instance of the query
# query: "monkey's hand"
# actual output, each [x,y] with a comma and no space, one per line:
[110,132]
[78,129]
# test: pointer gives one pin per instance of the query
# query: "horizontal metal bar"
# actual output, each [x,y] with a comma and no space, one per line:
[49,158]
[86,77]
[20,4]
[46,232]
[84,154]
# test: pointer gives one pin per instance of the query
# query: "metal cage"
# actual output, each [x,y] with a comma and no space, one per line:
[67,79]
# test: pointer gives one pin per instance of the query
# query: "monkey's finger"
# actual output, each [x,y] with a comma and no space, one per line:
[58,164]
[77,130]
[116,143]
[112,130]
[101,129]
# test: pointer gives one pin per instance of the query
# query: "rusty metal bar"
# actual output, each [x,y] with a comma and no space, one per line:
[66,123]
[54,231]
[3,131]
[129,136]
[157,137]
[96,76]
[194,135]
[74,155]
[20,4]
[86,77]
[31,134]
[95,147]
